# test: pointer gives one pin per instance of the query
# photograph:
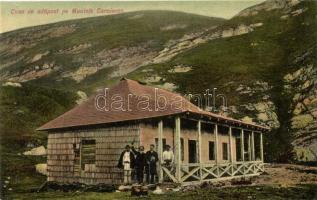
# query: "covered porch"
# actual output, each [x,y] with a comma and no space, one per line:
[243,157]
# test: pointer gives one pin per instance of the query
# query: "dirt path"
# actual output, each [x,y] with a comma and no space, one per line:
[287,175]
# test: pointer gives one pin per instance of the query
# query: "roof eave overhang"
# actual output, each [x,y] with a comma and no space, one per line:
[214,119]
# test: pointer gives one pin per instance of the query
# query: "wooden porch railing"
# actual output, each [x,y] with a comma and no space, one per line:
[199,172]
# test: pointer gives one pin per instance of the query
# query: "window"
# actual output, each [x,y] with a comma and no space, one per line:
[88,152]
[182,149]
[238,149]
[224,151]
[192,151]
[156,144]
[211,150]
[76,148]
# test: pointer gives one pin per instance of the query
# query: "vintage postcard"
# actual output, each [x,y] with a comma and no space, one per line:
[181,99]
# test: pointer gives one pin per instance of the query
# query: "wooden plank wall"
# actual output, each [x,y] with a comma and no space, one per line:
[110,142]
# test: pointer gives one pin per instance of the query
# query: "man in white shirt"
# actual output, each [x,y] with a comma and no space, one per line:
[168,156]
[126,162]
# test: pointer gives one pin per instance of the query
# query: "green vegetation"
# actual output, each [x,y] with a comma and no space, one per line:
[251,192]
[23,109]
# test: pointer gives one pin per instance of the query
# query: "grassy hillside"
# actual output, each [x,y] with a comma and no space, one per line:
[266,55]
[67,46]
[278,43]
[23,109]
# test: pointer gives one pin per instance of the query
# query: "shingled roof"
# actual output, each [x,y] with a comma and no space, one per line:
[130,100]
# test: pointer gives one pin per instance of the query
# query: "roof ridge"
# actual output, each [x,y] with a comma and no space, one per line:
[128,83]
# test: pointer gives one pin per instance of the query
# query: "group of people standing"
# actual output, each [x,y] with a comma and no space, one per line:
[136,163]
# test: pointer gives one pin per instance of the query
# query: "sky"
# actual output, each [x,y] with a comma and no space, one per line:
[19,14]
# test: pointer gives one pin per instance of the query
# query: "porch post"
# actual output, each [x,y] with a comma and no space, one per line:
[178,148]
[261,147]
[230,144]
[160,149]
[230,150]
[242,144]
[199,148]
[252,145]
[249,147]
[216,143]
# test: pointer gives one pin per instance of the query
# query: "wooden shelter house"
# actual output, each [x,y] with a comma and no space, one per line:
[84,143]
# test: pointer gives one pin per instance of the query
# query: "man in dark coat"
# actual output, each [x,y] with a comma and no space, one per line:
[151,160]
[126,162]
[140,162]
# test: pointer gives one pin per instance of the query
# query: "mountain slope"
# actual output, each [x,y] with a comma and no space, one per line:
[66,53]
[250,59]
